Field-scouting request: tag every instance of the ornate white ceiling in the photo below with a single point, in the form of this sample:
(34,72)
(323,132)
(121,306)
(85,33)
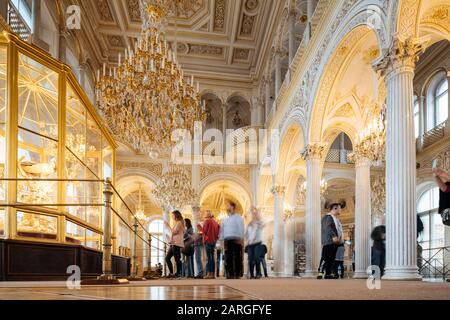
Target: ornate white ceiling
(218,39)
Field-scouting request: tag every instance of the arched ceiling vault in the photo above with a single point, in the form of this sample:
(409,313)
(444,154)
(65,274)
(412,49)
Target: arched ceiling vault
(349,86)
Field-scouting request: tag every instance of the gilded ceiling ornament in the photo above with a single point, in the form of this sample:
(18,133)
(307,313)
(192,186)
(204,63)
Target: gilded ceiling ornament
(219,15)
(247,24)
(402,53)
(251,4)
(346,111)
(205,50)
(104,10)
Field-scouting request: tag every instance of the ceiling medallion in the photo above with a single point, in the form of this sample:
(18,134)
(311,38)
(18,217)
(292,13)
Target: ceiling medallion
(147,97)
(251,4)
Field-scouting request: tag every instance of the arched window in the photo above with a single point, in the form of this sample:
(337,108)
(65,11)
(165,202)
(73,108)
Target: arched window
(441,102)
(156,229)
(433,235)
(416,118)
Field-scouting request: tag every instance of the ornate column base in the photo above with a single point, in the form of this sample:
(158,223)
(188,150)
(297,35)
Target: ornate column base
(402,273)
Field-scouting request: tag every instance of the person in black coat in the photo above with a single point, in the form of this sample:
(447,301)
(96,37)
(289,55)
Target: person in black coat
(379,247)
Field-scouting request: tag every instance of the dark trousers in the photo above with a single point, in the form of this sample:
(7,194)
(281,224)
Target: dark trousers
(233,258)
(174,252)
(264,265)
(210,263)
(328,256)
(339,265)
(254,256)
(188,266)
(219,262)
(379,259)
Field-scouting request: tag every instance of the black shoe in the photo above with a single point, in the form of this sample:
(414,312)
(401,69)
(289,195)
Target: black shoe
(200,276)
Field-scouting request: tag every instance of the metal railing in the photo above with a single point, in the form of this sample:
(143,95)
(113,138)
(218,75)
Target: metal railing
(437,265)
(433,136)
(108,191)
(17,23)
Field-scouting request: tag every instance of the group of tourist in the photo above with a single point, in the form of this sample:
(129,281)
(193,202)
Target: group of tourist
(226,242)
(333,248)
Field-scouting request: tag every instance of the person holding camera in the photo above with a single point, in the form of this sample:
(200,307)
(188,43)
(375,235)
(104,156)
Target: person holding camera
(442,179)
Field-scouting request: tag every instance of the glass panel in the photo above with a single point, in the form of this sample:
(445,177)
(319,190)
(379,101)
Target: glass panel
(38,131)
(75,153)
(75,125)
(92,239)
(94,147)
(36,225)
(441,107)
(93,196)
(37,159)
(2,222)
(74,233)
(38,97)
(2,122)
(107,153)
(416,119)
(75,190)
(429,200)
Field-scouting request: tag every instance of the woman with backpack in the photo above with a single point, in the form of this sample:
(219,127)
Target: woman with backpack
(188,250)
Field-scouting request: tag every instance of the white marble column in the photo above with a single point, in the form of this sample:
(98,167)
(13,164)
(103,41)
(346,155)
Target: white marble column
(401,233)
(362,217)
(313,154)
(278,229)
(289,255)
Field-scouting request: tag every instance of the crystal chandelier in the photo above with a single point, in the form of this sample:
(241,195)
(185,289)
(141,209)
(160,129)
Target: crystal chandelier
(372,140)
(140,213)
(174,189)
(147,97)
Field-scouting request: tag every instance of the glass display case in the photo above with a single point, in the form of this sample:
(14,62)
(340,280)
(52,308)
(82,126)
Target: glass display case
(51,141)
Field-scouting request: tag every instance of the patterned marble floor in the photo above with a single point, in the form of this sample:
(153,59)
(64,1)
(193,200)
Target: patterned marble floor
(174,292)
(221,289)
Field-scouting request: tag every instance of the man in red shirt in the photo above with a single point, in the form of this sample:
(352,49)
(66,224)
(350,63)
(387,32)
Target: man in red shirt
(210,236)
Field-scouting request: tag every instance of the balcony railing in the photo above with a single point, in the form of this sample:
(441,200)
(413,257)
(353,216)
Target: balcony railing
(433,136)
(437,265)
(338,156)
(17,23)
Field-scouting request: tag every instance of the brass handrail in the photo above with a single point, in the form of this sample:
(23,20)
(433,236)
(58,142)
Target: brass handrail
(82,205)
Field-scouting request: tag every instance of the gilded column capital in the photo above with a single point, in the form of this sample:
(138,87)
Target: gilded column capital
(360,155)
(278,190)
(314,151)
(403,53)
